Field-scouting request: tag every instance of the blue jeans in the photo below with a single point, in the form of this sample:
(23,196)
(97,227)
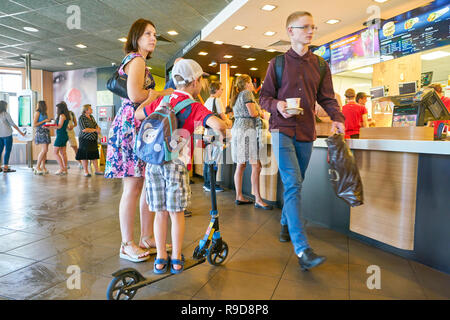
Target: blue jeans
(6,142)
(293,159)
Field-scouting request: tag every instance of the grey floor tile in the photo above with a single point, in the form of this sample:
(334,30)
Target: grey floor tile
(18,239)
(9,263)
(30,281)
(292,290)
(228,285)
(435,283)
(393,283)
(4,231)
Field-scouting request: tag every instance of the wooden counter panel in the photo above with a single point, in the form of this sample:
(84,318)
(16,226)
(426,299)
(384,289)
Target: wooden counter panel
(404,133)
(390,184)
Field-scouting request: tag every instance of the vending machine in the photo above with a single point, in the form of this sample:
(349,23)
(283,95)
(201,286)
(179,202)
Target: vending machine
(104,115)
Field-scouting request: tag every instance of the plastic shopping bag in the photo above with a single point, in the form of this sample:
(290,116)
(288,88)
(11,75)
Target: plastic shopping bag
(344,173)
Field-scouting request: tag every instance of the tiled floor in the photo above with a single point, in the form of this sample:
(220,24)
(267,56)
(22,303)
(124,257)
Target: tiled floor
(48,223)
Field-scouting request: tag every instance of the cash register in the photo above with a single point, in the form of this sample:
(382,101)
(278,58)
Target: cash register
(417,109)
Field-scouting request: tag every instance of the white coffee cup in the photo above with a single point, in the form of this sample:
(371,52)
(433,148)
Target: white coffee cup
(293,102)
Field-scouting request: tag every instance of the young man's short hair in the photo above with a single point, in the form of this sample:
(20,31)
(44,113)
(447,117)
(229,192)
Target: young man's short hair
(436,86)
(214,87)
(360,95)
(295,15)
(349,93)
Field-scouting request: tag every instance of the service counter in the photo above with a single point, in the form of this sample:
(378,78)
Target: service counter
(405,209)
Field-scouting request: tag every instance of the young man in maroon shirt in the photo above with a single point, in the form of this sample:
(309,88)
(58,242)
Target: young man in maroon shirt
(293,135)
(355,115)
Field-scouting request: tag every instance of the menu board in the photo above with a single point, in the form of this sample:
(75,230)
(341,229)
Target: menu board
(354,51)
(420,29)
(324,52)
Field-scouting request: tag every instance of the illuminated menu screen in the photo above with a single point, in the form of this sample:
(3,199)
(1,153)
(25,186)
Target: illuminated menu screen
(417,30)
(357,50)
(324,52)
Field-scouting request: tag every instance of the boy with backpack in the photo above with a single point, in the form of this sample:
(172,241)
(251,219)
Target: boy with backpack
(297,74)
(164,143)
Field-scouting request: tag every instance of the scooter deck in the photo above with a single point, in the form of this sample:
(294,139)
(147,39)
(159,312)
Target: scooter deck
(152,277)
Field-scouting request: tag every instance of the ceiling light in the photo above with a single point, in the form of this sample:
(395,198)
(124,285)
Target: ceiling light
(269,33)
(218,72)
(81,46)
(333,21)
(364,70)
(228,56)
(240,28)
(253,69)
(69,63)
(61,49)
(271,50)
(268,7)
(251,59)
(434,55)
(246,46)
(233,67)
(172,32)
(123,39)
(238,74)
(380,1)
(218,42)
(202,53)
(30,29)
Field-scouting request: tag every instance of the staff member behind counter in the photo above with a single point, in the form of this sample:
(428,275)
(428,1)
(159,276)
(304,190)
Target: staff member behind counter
(438,88)
(355,115)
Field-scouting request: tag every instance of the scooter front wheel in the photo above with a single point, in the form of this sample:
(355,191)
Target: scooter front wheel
(217,256)
(116,287)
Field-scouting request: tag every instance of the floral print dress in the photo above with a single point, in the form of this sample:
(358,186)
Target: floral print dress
(121,161)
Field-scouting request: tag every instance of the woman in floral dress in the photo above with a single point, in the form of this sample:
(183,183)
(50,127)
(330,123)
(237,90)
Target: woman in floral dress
(121,161)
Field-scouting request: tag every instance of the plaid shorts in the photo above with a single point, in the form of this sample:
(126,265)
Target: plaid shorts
(167,186)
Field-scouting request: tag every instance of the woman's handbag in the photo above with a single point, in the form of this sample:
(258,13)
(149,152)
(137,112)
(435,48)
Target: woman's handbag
(117,84)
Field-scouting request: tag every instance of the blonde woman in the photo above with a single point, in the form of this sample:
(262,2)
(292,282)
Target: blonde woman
(244,145)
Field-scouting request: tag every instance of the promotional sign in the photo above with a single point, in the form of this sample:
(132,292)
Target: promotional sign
(324,52)
(417,30)
(354,51)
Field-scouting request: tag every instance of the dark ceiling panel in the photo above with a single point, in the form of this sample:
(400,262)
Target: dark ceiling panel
(35,4)
(8,7)
(19,25)
(217,52)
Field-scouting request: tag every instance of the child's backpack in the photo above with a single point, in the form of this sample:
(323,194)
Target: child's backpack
(156,142)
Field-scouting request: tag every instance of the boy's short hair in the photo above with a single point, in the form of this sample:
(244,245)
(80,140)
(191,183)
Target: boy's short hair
(295,15)
(436,86)
(349,93)
(214,87)
(360,95)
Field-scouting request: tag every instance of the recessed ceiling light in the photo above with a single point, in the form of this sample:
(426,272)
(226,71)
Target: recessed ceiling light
(246,46)
(380,1)
(253,69)
(364,70)
(251,59)
(202,53)
(333,21)
(434,55)
(30,29)
(123,39)
(69,63)
(172,32)
(269,33)
(218,72)
(240,28)
(271,50)
(61,49)
(238,74)
(268,7)
(218,42)
(81,46)
(228,56)
(233,67)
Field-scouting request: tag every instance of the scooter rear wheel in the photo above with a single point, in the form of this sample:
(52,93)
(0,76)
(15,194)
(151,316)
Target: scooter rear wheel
(116,287)
(217,256)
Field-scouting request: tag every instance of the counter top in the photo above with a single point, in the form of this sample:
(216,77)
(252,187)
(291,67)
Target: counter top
(410,146)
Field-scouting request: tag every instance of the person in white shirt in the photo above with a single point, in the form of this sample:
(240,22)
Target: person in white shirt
(214,104)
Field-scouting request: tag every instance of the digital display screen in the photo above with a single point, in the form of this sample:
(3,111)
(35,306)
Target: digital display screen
(407,87)
(404,120)
(377,92)
(324,52)
(420,29)
(354,51)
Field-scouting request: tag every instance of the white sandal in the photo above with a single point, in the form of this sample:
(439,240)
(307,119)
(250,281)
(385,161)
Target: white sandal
(132,257)
(147,246)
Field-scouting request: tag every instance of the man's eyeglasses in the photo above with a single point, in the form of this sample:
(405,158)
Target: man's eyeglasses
(307,27)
